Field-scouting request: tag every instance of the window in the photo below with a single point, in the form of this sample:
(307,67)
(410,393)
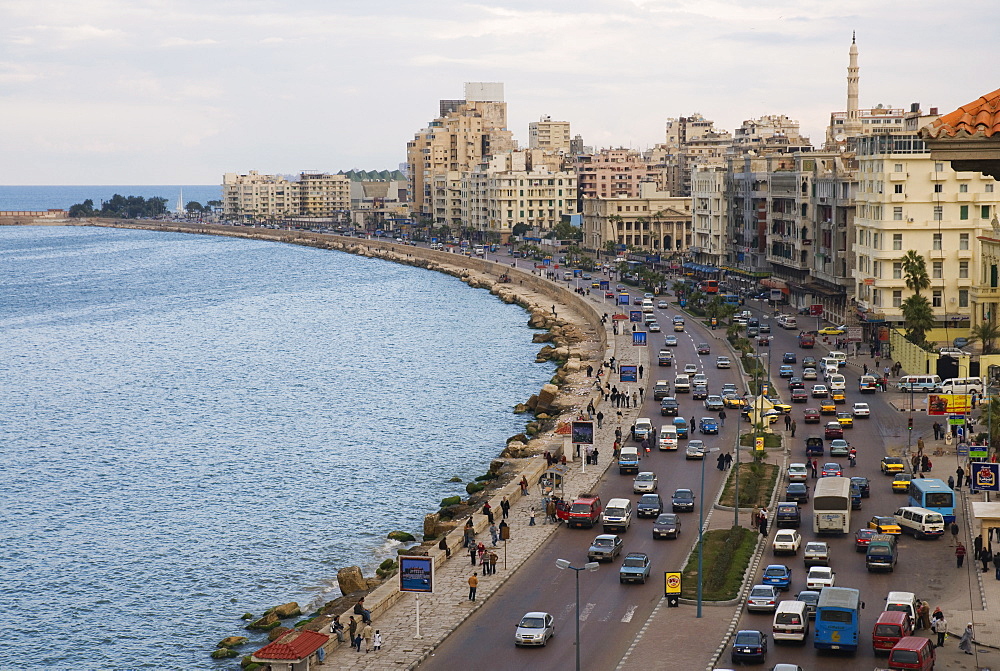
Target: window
(938,188)
(936,298)
(937,270)
(897,299)
(963,298)
(989,188)
(897,270)
(878,269)
(878,241)
(963,188)
(963,240)
(897,241)
(937,241)
(898,167)
(984,211)
(963,211)
(897,213)
(938,212)
(939,167)
(897,188)
(963,269)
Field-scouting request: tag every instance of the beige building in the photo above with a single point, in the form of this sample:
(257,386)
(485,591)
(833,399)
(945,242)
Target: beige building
(324,196)
(256,197)
(709,214)
(653,221)
(612,173)
(549,135)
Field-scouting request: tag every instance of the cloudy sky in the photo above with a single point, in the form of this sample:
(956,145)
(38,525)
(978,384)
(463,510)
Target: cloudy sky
(179,92)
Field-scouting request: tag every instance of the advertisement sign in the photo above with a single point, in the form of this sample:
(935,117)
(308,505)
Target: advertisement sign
(623,299)
(605,285)
(854,334)
(672,588)
(816,310)
(583,432)
(416,574)
(635,316)
(758,443)
(639,339)
(777,295)
(986,476)
(628,373)
(949,404)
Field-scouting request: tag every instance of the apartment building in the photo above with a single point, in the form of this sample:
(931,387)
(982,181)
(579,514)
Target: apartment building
(690,141)
(549,135)
(324,195)
(653,221)
(709,215)
(256,197)
(611,173)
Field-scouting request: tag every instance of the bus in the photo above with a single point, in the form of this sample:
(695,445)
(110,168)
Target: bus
(709,286)
(933,494)
(838,619)
(832,506)
(731,299)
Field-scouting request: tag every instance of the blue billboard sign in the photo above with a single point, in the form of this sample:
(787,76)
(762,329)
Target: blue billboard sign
(986,476)
(639,338)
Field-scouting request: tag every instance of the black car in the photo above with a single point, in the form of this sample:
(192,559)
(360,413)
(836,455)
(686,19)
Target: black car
(667,525)
(700,391)
(682,501)
(797,492)
(863,485)
(649,505)
(810,598)
(789,357)
(669,407)
(796,383)
(749,645)
(765,327)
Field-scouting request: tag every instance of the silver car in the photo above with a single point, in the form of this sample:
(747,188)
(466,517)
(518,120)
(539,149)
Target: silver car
(535,628)
(605,548)
(762,598)
(645,482)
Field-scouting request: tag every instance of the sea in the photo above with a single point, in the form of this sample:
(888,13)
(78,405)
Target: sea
(194,427)
(40,198)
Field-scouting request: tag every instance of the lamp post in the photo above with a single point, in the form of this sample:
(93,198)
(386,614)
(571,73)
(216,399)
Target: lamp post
(563,564)
(701,521)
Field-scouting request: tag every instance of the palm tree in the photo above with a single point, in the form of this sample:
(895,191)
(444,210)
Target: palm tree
(986,333)
(918,318)
(915,272)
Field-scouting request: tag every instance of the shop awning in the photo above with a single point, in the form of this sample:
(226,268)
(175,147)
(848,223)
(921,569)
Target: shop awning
(746,273)
(772,283)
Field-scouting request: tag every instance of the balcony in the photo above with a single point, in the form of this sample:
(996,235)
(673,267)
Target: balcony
(984,293)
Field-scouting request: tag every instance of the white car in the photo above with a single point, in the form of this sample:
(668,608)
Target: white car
(690,368)
(723,362)
(786,541)
(700,378)
(644,482)
(820,577)
(535,628)
(695,450)
(809,374)
(798,473)
(820,391)
(653,327)
(662,305)
(861,410)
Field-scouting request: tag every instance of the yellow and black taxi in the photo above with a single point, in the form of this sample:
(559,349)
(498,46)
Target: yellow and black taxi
(901,482)
(846,419)
(827,407)
(838,396)
(783,408)
(832,330)
(891,465)
(884,524)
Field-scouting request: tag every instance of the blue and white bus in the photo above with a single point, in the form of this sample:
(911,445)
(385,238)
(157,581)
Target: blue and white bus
(933,494)
(838,619)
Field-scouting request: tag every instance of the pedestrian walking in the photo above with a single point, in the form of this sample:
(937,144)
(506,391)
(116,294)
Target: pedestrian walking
(721,461)
(936,429)
(960,553)
(494,534)
(505,507)
(600,419)
(788,422)
(590,371)
(729,459)
(996,564)
(524,486)
(755,517)
(977,544)
(367,633)
(472,554)
(815,469)
(352,630)
(640,371)
(960,472)
(722,417)
(794,426)
(939,627)
(763,525)
(864,368)
(493,563)
(986,556)
(951,482)
(965,645)
(924,614)
(635,400)
(642,395)
(473,584)
(920,446)
(377,641)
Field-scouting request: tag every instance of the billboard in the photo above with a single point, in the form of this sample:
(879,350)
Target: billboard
(624,299)
(416,574)
(816,310)
(635,316)
(639,339)
(854,334)
(583,432)
(628,373)
(986,476)
(949,404)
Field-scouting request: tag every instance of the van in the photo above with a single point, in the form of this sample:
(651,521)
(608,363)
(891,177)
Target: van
(647,305)
(567,275)
(829,362)
(628,460)
(867,384)
(641,428)
(962,385)
(791,621)
(788,515)
(667,439)
(682,383)
(617,515)
(905,602)
(839,356)
(661,390)
(882,553)
(585,511)
(920,383)
(837,382)
(912,652)
(890,628)
(920,522)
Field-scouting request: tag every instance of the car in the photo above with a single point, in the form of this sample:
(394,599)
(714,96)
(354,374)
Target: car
(901,482)
(733,400)
(798,472)
(838,396)
(797,492)
(648,296)
(786,371)
(783,408)
(708,425)
(690,368)
(682,427)
(765,327)
(605,548)
(609,294)
(862,537)
(699,378)
(884,524)
(863,485)
(753,331)
(789,357)
(846,419)
(811,416)
(669,407)
(861,410)
(820,391)
(799,396)
(786,541)
(649,505)
(816,553)
(749,645)
(762,598)
(663,305)
(723,362)
(535,628)
(644,482)
(833,430)
(832,330)
(820,577)
(714,402)
(809,361)
(729,387)
(634,568)
(832,469)
(778,575)
(810,374)
(699,391)
(637,300)
(839,447)
(667,525)
(810,598)
(695,450)
(827,407)
(891,465)
(682,501)
(703,348)
(653,327)
(764,340)
(796,382)
(670,341)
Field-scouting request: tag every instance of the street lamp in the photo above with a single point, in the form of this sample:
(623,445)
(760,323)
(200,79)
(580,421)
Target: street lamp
(701,520)
(563,564)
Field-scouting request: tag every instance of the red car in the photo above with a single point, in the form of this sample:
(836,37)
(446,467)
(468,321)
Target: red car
(800,396)
(811,416)
(861,539)
(833,430)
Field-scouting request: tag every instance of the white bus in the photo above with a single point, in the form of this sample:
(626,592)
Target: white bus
(832,506)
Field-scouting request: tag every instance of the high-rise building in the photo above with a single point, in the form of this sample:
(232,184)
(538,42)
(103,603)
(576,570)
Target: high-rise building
(549,135)
(256,197)
(324,195)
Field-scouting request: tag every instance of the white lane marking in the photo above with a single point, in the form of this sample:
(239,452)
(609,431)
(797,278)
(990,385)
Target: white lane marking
(629,613)
(567,610)
(585,613)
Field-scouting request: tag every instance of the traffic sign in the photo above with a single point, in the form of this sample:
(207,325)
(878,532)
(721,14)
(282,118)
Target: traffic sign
(816,310)
(758,443)
(962,450)
(672,588)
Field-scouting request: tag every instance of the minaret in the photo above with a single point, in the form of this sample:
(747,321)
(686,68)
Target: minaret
(852,126)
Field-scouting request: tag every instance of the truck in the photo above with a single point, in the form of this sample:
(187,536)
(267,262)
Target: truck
(628,460)
(807,340)
(881,554)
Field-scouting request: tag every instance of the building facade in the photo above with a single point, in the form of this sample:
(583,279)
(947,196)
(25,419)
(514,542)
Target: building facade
(256,197)
(549,135)
(652,222)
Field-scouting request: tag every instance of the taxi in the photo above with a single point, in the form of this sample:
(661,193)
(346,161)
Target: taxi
(891,465)
(846,419)
(838,396)
(783,408)
(884,524)
(901,482)
(832,330)
(733,401)
(828,407)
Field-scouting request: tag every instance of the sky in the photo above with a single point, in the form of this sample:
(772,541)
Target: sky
(180,92)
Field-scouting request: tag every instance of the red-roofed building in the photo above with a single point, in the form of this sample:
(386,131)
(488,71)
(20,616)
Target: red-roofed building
(969,137)
(293,651)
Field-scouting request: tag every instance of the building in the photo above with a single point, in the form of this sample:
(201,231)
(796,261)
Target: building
(770,134)
(326,196)
(256,197)
(690,141)
(612,173)
(709,214)
(549,135)
(651,222)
